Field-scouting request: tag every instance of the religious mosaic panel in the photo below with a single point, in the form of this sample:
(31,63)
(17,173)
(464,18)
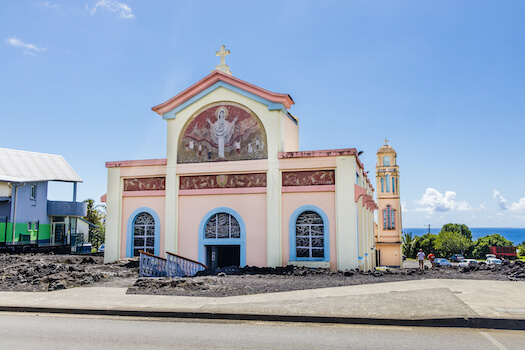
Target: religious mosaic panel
(222,181)
(220,132)
(309,178)
(145,184)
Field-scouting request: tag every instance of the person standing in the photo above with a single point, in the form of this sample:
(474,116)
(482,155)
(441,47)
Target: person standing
(421,259)
(431,258)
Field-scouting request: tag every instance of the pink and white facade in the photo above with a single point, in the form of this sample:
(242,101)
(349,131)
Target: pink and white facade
(235,190)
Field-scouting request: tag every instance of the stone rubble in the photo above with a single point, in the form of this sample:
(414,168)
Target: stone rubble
(47,272)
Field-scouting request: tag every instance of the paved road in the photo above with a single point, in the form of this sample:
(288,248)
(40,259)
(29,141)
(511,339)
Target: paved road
(72,332)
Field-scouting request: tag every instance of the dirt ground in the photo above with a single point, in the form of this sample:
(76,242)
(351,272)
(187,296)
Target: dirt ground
(39,272)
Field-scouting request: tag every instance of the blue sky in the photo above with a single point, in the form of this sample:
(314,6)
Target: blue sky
(444,81)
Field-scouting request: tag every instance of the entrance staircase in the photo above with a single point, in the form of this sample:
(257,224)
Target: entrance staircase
(173,266)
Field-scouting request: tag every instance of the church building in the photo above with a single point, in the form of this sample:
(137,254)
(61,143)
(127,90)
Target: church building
(234,188)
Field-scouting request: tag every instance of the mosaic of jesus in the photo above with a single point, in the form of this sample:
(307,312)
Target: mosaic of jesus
(220,132)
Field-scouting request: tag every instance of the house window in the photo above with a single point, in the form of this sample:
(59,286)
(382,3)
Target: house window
(222,225)
(386,161)
(309,235)
(387,183)
(144,234)
(382,185)
(33,192)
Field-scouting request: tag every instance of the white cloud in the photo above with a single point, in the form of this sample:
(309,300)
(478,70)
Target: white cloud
(404,207)
(30,48)
(434,201)
(121,8)
(518,206)
(482,207)
(502,202)
(50,5)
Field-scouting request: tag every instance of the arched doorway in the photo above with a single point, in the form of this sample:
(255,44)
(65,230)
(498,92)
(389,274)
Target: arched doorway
(222,240)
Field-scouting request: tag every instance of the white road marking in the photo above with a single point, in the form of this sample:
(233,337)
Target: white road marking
(493,341)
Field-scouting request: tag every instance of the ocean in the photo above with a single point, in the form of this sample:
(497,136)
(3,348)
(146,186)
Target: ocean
(515,235)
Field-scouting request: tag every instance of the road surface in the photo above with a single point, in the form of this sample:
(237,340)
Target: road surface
(44,331)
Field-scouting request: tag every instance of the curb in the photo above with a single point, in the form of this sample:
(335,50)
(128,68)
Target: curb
(453,322)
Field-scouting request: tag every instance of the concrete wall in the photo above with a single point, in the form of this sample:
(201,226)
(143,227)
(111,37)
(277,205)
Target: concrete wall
(322,200)
(251,207)
(28,209)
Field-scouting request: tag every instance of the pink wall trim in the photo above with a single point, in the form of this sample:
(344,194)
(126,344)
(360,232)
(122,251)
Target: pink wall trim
(104,198)
(222,191)
(320,153)
(211,79)
(318,188)
(359,191)
(141,162)
(154,193)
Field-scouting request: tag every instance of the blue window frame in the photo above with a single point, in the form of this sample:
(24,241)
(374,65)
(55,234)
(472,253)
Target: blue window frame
(230,235)
(382,185)
(155,231)
(309,234)
(393,184)
(387,183)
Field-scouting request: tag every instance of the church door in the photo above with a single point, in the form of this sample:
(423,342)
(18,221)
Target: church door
(222,231)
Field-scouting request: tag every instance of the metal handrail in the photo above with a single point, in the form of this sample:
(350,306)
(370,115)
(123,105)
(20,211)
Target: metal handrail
(179,266)
(151,265)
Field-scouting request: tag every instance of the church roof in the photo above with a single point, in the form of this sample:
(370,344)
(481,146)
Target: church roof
(24,166)
(215,77)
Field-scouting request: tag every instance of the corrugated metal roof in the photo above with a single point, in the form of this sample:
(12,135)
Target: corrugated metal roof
(24,166)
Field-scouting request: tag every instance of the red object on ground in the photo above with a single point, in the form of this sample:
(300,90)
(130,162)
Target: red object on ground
(504,252)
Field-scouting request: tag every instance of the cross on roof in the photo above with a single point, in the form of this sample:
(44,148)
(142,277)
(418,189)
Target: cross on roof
(386,141)
(223,67)
(222,52)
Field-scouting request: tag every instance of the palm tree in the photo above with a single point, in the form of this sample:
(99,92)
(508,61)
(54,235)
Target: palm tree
(409,244)
(96,214)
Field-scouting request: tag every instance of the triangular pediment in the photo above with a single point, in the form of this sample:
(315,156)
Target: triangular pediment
(215,80)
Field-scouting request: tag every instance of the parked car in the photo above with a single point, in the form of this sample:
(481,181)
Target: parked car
(102,247)
(441,262)
(493,261)
(468,263)
(490,256)
(457,257)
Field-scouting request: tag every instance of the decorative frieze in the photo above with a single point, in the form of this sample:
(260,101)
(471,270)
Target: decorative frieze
(309,178)
(203,182)
(145,184)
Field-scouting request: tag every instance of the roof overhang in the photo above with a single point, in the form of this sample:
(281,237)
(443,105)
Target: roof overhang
(218,79)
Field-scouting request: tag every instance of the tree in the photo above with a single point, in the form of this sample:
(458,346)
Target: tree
(409,245)
(461,228)
(452,242)
(96,214)
(427,242)
(481,246)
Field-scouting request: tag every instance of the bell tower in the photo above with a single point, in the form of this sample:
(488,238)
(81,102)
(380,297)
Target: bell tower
(388,237)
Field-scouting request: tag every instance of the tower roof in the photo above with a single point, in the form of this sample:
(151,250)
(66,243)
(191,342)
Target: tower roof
(386,149)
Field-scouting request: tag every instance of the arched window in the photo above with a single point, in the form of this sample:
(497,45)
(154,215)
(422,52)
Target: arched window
(382,185)
(389,218)
(144,234)
(387,183)
(222,225)
(386,161)
(309,235)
